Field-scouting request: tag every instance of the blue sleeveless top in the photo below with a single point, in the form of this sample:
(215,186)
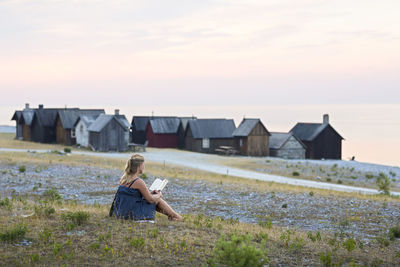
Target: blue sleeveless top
(130,204)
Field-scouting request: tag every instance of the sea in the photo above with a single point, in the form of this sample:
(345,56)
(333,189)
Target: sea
(371,132)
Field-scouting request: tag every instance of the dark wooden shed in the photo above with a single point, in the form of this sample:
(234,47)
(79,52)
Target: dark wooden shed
(252,138)
(65,122)
(321,139)
(206,135)
(43,128)
(23,123)
(109,133)
(286,145)
(163,132)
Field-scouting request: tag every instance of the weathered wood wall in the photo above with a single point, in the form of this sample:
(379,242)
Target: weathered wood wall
(111,138)
(292,149)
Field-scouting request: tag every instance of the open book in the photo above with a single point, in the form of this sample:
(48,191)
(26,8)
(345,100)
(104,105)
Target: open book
(158,184)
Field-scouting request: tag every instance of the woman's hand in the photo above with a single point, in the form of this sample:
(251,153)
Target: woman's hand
(156,194)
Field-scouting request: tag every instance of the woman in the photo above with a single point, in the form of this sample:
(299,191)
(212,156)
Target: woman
(134,201)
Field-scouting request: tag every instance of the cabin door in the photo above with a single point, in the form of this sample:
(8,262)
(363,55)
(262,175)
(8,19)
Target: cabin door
(113,139)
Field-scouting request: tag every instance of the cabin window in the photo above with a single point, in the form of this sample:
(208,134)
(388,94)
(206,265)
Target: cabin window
(73,133)
(206,143)
(240,142)
(81,129)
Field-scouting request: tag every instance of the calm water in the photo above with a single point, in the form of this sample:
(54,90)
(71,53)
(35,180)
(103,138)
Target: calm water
(371,132)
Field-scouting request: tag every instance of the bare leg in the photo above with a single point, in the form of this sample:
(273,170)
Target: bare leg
(163,207)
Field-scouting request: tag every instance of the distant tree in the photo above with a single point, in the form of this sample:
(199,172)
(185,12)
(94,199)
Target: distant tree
(383,183)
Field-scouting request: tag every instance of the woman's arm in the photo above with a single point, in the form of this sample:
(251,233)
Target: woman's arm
(141,186)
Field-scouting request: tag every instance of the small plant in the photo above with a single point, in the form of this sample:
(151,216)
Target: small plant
(313,238)
(77,217)
(383,184)
(284,206)
(55,152)
(57,248)
(394,232)
(67,150)
(6,203)
(52,195)
(22,168)
(311,193)
(383,241)
(295,173)
(137,243)
(326,259)
(328,179)
(49,211)
(349,244)
(392,174)
(237,251)
(15,233)
(153,233)
(369,176)
(45,235)
(340,181)
(265,222)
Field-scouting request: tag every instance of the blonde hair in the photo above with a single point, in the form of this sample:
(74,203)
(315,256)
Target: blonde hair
(131,168)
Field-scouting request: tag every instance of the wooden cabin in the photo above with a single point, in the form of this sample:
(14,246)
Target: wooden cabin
(23,123)
(65,121)
(321,139)
(207,135)
(139,128)
(252,138)
(163,132)
(82,129)
(109,133)
(286,145)
(43,128)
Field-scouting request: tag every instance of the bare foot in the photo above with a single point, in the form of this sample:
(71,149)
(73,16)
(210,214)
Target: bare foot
(175,218)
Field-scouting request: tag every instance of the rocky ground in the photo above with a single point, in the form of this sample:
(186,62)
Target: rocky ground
(366,219)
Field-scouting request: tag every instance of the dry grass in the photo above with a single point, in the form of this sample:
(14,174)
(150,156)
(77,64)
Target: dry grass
(104,241)
(7,141)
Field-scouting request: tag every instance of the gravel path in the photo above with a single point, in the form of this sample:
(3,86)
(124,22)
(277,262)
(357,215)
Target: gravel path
(207,162)
(365,219)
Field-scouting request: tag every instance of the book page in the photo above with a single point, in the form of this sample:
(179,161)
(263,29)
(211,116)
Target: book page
(156,185)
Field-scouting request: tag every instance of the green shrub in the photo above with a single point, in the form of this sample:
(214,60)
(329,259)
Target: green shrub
(394,232)
(369,176)
(77,217)
(15,233)
(46,211)
(22,168)
(383,184)
(137,243)
(67,150)
(349,244)
(328,179)
(295,173)
(311,193)
(284,206)
(340,181)
(52,195)
(34,258)
(313,238)
(265,222)
(326,259)
(45,235)
(6,203)
(237,251)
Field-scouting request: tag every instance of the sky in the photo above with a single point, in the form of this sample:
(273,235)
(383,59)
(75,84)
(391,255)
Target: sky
(183,52)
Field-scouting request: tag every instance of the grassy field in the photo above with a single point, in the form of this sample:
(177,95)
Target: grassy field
(44,230)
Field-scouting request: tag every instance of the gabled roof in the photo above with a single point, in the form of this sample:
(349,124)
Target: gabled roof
(140,122)
(69,117)
(309,131)
(165,125)
(103,119)
(212,128)
(86,119)
(46,117)
(28,115)
(278,140)
(17,115)
(246,126)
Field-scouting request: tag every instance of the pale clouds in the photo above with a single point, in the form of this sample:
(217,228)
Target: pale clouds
(263,47)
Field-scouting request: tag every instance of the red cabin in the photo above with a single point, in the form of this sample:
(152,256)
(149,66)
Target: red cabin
(163,132)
